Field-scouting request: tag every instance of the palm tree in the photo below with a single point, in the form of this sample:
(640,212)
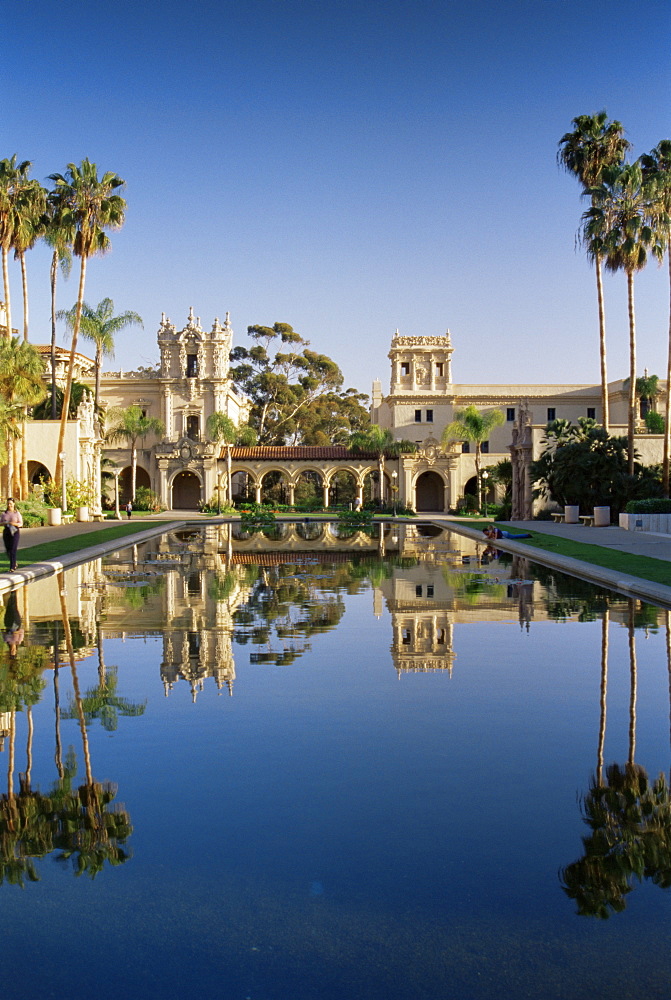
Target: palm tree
(59,235)
(619,215)
(30,223)
(220,427)
(475,427)
(100,325)
(89,205)
(656,167)
(13,178)
(21,381)
(377,441)
(594,144)
(131,425)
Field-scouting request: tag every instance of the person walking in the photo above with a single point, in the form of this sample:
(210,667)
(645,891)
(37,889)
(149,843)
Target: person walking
(12,521)
(129,509)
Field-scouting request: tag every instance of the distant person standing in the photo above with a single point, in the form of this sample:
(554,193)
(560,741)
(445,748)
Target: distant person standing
(129,509)
(12,521)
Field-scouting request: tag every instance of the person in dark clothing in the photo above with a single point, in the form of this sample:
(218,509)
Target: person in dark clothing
(12,521)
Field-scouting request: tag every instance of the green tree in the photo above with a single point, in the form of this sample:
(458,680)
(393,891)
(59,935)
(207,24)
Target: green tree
(377,441)
(220,427)
(333,418)
(100,326)
(594,144)
(88,205)
(281,385)
(584,465)
(132,425)
(619,217)
(474,426)
(656,167)
(21,384)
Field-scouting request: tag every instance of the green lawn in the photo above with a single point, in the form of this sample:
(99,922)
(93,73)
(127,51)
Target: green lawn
(75,543)
(655,570)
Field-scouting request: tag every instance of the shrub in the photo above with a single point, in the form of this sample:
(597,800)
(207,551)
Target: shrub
(654,422)
(33,512)
(146,499)
(77,494)
(653,505)
(210,507)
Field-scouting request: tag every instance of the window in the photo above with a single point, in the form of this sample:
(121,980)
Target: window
(418,590)
(440,369)
(552,413)
(465,448)
(405,367)
(440,637)
(193,427)
(429,416)
(484,447)
(510,413)
(429,590)
(192,366)
(591,412)
(418,416)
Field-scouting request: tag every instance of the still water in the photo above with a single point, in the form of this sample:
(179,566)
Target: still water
(333,767)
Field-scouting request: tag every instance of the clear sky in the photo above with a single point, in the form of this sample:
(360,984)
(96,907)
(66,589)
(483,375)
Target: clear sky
(346,166)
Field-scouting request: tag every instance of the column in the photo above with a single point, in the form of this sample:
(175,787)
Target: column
(325,494)
(257,492)
(291,487)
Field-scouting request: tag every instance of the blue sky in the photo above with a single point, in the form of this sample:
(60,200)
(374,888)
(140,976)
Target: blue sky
(347,167)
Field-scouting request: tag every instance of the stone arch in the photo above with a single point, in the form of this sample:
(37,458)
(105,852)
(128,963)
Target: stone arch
(38,473)
(343,486)
(275,486)
(308,485)
(429,491)
(310,531)
(186,490)
(125,479)
(371,486)
(243,485)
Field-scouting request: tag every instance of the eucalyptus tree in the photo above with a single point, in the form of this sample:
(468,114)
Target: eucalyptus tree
(474,426)
(100,326)
(132,425)
(656,167)
(89,205)
(619,216)
(220,427)
(593,145)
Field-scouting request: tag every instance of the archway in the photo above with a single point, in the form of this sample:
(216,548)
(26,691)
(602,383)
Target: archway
(38,473)
(242,487)
(308,488)
(274,488)
(429,492)
(342,488)
(185,491)
(141,479)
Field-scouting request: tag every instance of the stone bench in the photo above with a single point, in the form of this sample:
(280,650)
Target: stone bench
(587,520)
(67,518)
(558,517)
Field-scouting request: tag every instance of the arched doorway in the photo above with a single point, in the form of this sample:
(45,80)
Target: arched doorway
(185,491)
(274,488)
(141,479)
(38,473)
(429,492)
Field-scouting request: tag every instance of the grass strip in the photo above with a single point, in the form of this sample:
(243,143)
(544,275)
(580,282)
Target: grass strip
(75,543)
(645,567)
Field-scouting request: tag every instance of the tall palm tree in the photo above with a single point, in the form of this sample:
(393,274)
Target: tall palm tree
(594,144)
(619,214)
(90,205)
(30,223)
(100,325)
(220,427)
(59,235)
(377,440)
(131,425)
(475,427)
(656,167)
(13,178)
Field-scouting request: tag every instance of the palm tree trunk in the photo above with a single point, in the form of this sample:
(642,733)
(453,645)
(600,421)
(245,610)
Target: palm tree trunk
(633,685)
(11,755)
(133,471)
(24,456)
(477,476)
(71,366)
(24,289)
(602,345)
(75,683)
(8,303)
(604,685)
(667,412)
(53,274)
(229,477)
(632,371)
(99,362)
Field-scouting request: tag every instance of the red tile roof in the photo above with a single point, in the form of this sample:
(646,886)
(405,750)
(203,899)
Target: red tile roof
(296,453)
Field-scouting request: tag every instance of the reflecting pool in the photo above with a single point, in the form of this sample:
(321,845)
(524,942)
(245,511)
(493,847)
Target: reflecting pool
(327,764)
